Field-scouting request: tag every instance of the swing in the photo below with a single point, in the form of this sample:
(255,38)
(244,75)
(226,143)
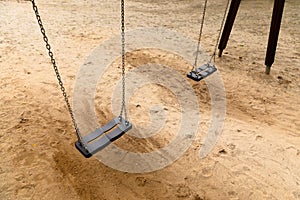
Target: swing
(105,135)
(199,73)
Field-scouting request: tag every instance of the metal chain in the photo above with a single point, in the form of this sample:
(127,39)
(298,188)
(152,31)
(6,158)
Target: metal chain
(50,53)
(123,106)
(213,57)
(200,34)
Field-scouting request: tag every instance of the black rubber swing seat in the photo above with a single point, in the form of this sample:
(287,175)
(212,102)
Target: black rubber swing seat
(94,142)
(201,72)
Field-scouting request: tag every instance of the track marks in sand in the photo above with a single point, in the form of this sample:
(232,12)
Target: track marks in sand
(91,179)
(261,161)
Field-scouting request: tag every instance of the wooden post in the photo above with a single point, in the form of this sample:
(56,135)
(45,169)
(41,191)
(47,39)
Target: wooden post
(274,32)
(234,6)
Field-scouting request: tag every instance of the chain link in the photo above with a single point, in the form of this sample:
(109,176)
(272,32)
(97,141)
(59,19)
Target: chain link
(50,53)
(123,106)
(200,34)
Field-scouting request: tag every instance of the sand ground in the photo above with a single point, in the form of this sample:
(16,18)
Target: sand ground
(256,157)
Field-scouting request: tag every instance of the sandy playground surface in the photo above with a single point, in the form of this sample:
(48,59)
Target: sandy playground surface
(257,155)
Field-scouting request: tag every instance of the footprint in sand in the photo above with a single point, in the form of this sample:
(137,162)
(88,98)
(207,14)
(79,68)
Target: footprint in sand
(207,172)
(19,177)
(183,191)
(231,146)
(141,181)
(259,138)
(26,190)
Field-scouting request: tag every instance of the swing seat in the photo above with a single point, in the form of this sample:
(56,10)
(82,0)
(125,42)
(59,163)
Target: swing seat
(94,142)
(201,72)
